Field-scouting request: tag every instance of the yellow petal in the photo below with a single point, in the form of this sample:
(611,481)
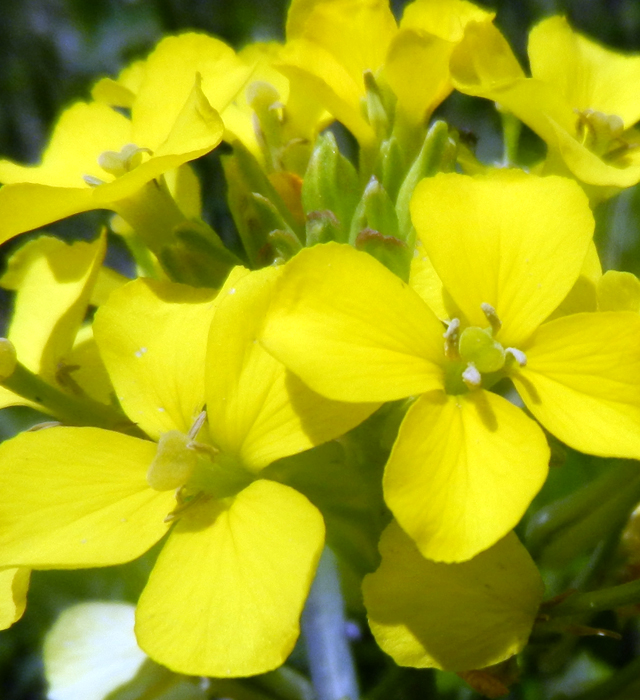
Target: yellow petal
(590,76)
(82,133)
(582,381)
(483,61)
(77,497)
(618,291)
(91,650)
(14,584)
(356,32)
(24,207)
(454,617)
(313,69)
(462,472)
(170,73)
(424,279)
(446,19)
(196,130)
(352,330)
(583,296)
(120,92)
(417,63)
(589,167)
(417,70)
(53,280)
(153,340)
(85,367)
(330,43)
(225,596)
(258,410)
(508,239)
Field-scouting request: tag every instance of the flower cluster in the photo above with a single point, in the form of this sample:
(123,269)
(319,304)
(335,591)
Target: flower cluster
(383,367)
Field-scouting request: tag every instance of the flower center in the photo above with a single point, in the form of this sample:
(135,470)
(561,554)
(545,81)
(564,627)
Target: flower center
(604,134)
(475,352)
(194,469)
(118,163)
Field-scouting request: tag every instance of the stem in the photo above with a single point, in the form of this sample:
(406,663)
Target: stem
(604,599)
(65,407)
(324,631)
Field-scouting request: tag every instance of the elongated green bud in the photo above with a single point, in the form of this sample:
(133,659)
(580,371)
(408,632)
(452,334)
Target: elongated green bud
(437,154)
(331,184)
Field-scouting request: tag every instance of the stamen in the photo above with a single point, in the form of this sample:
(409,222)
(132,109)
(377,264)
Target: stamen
(198,423)
(451,336)
(518,356)
(471,377)
(92,181)
(492,316)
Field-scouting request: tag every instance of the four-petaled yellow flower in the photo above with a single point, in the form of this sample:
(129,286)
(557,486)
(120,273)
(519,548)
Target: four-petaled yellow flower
(467,462)
(226,592)
(582,98)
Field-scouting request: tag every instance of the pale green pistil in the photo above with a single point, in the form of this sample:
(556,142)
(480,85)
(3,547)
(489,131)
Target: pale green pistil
(194,469)
(474,352)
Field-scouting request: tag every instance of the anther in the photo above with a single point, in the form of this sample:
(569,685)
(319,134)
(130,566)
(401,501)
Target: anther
(197,424)
(451,336)
(92,181)
(471,377)
(492,316)
(517,355)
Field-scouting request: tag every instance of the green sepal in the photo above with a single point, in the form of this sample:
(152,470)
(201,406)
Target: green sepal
(322,226)
(391,166)
(263,98)
(246,179)
(375,211)
(196,257)
(331,184)
(284,244)
(374,230)
(378,106)
(436,155)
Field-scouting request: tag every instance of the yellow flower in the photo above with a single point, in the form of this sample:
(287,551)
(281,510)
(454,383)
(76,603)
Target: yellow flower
(508,248)
(226,592)
(454,617)
(581,99)
(100,159)
(55,282)
(332,44)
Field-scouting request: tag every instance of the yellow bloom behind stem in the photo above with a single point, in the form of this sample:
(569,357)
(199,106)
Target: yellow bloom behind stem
(454,617)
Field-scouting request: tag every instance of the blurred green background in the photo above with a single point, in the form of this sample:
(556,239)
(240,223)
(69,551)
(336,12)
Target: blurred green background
(51,51)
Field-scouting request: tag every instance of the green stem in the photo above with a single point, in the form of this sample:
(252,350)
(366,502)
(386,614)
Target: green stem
(64,407)
(604,599)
